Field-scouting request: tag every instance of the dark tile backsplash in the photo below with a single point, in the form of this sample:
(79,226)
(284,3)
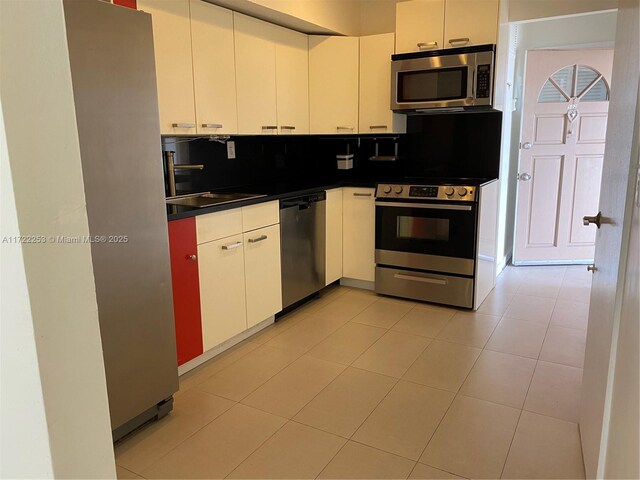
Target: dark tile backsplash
(263,161)
(445,145)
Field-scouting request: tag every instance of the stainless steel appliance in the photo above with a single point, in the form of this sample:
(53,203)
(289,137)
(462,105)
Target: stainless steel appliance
(114,87)
(426,239)
(450,79)
(302,244)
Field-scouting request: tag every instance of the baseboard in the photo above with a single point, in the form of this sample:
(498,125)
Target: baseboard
(355,283)
(209,354)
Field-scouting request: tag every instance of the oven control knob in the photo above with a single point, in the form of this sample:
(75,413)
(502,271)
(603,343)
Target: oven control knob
(387,189)
(398,190)
(449,191)
(462,191)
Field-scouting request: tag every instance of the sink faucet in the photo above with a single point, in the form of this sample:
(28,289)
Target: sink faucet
(171,170)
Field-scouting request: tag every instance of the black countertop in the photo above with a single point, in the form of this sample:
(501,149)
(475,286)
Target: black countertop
(275,191)
(280,190)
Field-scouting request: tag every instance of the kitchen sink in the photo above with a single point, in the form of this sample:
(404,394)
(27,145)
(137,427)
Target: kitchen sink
(202,200)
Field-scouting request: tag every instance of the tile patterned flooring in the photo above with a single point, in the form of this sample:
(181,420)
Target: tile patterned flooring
(355,385)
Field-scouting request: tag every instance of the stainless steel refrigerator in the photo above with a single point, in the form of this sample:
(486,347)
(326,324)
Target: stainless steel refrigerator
(114,87)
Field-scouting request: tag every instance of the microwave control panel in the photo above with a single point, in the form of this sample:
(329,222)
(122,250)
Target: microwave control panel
(483,81)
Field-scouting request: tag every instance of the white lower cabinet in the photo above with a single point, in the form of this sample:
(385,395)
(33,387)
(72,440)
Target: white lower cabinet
(333,239)
(239,274)
(358,224)
(222,290)
(262,273)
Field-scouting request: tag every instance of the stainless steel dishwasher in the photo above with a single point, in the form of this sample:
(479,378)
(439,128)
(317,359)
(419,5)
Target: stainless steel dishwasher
(302,244)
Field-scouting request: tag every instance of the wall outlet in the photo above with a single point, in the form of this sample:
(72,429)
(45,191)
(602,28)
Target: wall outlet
(231,150)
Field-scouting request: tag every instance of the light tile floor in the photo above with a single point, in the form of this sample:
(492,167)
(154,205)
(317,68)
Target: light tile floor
(354,385)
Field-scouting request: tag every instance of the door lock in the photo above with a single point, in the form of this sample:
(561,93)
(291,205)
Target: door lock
(596,220)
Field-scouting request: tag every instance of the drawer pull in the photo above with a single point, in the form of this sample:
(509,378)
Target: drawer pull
(211,125)
(461,41)
(436,281)
(231,246)
(287,127)
(344,127)
(258,239)
(356,194)
(427,45)
(373,127)
(183,125)
(269,127)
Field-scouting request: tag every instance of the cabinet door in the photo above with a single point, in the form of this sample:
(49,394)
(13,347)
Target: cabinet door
(358,223)
(222,293)
(214,75)
(333,267)
(262,271)
(174,71)
(186,290)
(292,81)
(475,20)
(419,25)
(333,84)
(375,86)
(255,75)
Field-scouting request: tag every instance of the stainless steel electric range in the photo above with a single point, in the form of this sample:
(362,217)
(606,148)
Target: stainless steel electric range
(427,241)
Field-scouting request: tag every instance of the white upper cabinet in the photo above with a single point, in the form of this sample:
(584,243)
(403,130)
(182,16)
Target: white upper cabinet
(436,24)
(375,86)
(333,84)
(255,75)
(471,22)
(214,74)
(174,72)
(292,81)
(419,25)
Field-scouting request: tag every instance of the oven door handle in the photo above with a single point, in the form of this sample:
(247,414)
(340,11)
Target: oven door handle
(466,208)
(437,281)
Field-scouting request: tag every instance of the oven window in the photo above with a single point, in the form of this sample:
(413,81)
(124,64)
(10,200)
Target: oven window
(432,85)
(421,228)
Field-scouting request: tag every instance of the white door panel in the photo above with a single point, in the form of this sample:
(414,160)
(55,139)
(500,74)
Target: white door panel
(564,121)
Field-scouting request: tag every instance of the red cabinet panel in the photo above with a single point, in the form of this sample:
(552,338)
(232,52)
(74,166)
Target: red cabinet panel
(183,250)
(126,3)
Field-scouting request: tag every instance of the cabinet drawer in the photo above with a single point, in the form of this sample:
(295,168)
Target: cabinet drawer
(260,215)
(214,226)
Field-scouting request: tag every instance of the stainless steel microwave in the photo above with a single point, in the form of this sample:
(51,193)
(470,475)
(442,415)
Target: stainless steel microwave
(450,79)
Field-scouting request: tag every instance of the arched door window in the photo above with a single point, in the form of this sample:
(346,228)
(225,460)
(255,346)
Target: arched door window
(574,84)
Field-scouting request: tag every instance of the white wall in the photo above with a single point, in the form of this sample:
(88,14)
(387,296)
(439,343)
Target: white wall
(24,440)
(596,30)
(521,10)
(59,316)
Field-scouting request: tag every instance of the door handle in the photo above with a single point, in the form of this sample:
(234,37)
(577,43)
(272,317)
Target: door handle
(258,239)
(526,146)
(436,281)
(595,219)
(193,258)
(524,177)
(462,41)
(231,246)
(592,268)
(427,45)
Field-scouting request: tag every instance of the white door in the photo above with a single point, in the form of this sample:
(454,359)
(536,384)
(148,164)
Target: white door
(599,407)
(564,119)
